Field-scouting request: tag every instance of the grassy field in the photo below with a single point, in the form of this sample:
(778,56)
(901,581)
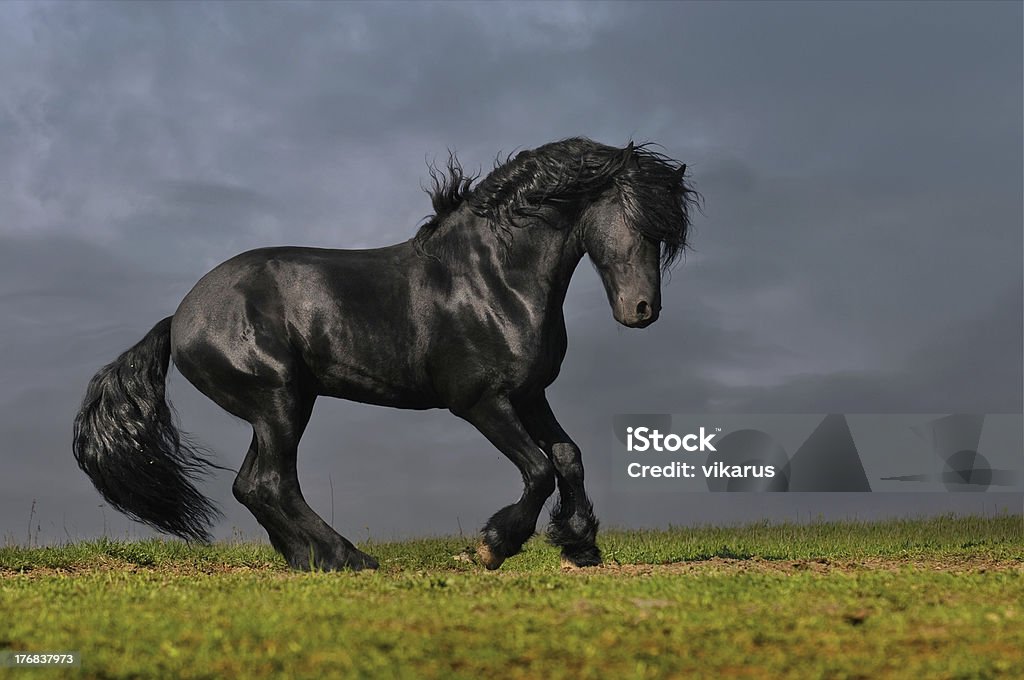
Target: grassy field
(941,597)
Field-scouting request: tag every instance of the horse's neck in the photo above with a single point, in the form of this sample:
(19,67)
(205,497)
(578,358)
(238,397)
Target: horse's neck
(537,261)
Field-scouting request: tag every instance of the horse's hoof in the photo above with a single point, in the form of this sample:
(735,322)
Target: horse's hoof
(362,562)
(357,561)
(589,558)
(488,557)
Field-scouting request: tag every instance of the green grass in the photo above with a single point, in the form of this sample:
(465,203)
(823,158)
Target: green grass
(941,597)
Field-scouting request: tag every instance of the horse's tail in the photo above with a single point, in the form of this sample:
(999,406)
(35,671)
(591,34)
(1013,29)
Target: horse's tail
(126,441)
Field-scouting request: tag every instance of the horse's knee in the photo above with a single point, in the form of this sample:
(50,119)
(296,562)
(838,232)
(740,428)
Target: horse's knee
(541,478)
(567,460)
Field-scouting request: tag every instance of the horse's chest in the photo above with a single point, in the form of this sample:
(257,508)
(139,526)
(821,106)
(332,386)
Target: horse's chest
(536,355)
(497,347)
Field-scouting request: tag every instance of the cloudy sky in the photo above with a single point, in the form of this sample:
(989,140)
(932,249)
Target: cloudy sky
(860,252)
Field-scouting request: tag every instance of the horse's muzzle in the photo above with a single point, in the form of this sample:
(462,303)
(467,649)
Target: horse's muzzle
(642,315)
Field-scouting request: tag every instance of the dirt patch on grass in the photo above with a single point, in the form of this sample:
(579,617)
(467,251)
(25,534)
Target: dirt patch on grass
(114,565)
(711,566)
(722,565)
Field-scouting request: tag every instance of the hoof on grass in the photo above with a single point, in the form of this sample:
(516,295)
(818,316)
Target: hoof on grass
(589,558)
(358,561)
(362,562)
(487,557)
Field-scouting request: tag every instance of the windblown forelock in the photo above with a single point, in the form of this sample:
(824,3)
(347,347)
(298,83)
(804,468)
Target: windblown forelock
(657,200)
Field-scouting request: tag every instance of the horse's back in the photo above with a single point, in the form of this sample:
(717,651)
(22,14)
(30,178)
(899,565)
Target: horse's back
(338,320)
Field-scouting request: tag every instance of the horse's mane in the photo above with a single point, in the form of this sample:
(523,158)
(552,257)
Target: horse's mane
(655,196)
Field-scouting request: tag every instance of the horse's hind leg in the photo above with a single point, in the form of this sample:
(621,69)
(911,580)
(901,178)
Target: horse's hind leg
(510,527)
(268,484)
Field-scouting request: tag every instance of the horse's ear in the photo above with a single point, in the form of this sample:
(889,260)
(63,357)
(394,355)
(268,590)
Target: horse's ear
(627,156)
(681,171)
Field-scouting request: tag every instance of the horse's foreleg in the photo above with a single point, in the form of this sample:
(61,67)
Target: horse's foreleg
(268,485)
(508,529)
(573,526)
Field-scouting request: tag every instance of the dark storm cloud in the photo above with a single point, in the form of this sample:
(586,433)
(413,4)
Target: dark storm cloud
(861,248)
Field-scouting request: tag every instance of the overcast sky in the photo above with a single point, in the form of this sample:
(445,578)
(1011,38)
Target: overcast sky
(860,252)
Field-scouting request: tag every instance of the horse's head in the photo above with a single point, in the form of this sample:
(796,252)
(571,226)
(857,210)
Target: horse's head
(635,229)
(628,262)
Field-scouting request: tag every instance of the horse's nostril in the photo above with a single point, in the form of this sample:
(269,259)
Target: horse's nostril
(643,310)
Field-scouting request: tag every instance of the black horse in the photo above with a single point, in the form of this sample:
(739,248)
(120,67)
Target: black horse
(467,315)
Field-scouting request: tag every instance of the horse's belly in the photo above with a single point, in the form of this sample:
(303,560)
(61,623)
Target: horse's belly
(361,386)
(366,364)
